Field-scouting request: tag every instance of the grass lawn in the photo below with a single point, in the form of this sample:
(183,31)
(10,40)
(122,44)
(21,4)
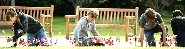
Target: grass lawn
(60,26)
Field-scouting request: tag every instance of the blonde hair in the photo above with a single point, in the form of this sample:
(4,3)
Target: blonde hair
(94,13)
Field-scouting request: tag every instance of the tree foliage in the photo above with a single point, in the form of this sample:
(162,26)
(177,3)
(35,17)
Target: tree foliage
(126,3)
(39,2)
(158,5)
(86,3)
(5,2)
(179,4)
(63,7)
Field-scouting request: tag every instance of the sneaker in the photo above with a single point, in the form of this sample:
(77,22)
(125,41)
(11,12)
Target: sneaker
(99,44)
(153,43)
(14,45)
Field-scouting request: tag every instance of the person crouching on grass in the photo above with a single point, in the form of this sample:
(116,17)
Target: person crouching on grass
(178,27)
(27,24)
(151,22)
(85,24)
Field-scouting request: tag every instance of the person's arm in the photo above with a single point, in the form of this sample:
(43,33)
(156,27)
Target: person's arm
(141,35)
(24,22)
(93,29)
(81,23)
(164,32)
(161,22)
(94,32)
(142,24)
(16,27)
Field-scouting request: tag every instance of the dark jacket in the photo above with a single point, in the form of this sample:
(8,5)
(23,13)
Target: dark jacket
(28,25)
(178,25)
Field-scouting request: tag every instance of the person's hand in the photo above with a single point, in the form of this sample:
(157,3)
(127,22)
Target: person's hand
(9,39)
(76,44)
(98,39)
(165,44)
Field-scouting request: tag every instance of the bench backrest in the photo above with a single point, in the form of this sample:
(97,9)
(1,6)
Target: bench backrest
(109,15)
(33,11)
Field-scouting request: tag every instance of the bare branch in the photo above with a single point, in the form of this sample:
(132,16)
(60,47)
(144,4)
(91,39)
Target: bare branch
(7,2)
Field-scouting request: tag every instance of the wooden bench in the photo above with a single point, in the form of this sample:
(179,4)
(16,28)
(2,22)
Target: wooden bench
(108,17)
(44,14)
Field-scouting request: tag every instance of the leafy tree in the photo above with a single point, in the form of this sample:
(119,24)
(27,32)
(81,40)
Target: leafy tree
(86,3)
(12,2)
(4,2)
(126,3)
(179,4)
(39,2)
(158,5)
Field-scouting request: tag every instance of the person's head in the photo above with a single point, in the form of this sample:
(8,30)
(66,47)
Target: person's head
(150,14)
(11,14)
(177,13)
(92,14)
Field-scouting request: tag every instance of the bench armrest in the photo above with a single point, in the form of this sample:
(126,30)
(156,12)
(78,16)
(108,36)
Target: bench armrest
(130,17)
(70,16)
(42,18)
(6,23)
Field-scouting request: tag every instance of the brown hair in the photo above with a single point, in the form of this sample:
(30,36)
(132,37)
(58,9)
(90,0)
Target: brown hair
(93,13)
(177,13)
(10,13)
(150,15)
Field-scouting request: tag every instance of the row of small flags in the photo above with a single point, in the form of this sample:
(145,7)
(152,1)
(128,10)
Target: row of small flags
(134,41)
(171,41)
(137,41)
(42,42)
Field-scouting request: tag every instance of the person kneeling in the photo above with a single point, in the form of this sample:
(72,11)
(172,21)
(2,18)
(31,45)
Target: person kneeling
(85,24)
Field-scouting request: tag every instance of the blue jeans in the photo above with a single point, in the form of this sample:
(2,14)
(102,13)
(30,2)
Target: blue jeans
(180,39)
(149,34)
(39,34)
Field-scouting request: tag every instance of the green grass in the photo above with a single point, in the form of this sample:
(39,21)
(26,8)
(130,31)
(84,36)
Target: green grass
(60,26)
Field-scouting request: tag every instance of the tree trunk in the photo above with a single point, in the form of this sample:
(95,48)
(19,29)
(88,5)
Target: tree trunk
(12,2)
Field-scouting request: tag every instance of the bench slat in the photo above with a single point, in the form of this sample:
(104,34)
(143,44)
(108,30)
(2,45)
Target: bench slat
(118,17)
(108,9)
(114,18)
(107,20)
(121,19)
(33,12)
(101,19)
(111,17)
